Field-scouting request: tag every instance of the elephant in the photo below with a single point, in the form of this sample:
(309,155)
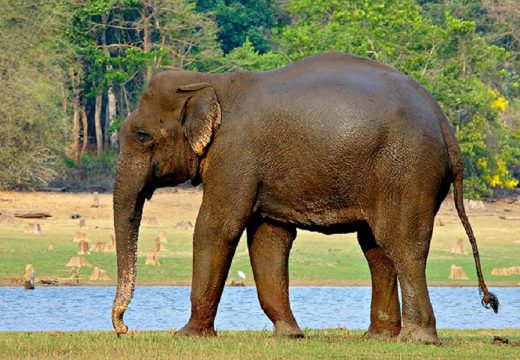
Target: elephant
(333,143)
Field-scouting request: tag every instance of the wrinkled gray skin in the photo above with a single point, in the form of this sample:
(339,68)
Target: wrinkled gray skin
(333,143)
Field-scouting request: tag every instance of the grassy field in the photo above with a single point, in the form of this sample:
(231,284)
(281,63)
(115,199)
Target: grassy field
(318,344)
(315,260)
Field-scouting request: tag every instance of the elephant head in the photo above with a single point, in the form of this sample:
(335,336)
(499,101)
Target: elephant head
(162,143)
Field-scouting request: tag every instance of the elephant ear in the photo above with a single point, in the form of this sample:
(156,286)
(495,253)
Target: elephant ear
(201,115)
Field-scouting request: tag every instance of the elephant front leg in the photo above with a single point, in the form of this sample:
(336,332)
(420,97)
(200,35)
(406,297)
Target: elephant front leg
(385,314)
(269,247)
(219,225)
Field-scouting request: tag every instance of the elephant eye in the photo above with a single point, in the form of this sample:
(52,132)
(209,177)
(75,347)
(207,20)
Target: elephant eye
(142,136)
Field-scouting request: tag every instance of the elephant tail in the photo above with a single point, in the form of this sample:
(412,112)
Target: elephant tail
(489,299)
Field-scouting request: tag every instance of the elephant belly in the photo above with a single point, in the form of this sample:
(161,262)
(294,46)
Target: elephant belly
(326,214)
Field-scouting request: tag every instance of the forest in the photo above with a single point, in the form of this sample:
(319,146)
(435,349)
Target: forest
(72,71)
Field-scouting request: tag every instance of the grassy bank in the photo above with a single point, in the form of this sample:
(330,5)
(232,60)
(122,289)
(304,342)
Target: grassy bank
(318,344)
(315,259)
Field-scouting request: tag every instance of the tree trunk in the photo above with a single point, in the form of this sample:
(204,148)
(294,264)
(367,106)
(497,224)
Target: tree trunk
(146,35)
(111,114)
(74,146)
(111,106)
(97,123)
(84,121)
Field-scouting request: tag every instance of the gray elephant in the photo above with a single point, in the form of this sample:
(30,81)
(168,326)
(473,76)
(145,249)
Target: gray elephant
(333,143)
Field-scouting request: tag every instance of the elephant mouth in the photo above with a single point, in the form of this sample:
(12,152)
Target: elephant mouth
(147,191)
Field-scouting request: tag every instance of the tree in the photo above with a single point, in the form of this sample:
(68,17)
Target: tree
(455,63)
(239,20)
(32,115)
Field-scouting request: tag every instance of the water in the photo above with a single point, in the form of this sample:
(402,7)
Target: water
(161,308)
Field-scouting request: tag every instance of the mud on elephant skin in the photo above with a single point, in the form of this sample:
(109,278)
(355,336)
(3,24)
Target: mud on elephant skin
(333,143)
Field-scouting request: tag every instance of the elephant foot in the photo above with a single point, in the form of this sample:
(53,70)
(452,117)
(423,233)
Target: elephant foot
(282,328)
(382,334)
(191,330)
(383,331)
(421,335)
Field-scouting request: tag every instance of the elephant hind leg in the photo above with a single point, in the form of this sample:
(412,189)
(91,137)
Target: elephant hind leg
(406,243)
(269,247)
(385,314)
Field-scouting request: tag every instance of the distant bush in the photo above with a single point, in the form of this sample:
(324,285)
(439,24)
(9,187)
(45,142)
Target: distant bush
(92,173)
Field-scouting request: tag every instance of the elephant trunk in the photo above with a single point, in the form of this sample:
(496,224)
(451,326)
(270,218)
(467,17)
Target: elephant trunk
(129,196)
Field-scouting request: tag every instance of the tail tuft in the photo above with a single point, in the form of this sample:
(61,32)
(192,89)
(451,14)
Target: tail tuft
(490,301)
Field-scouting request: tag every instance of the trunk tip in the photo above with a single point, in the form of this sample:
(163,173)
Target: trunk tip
(119,325)
(490,301)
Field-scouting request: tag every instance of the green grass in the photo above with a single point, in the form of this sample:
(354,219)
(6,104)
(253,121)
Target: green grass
(316,259)
(318,344)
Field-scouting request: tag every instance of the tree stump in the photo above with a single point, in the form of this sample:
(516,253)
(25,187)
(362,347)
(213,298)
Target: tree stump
(110,247)
(152,259)
(29,277)
(78,262)
(157,245)
(33,228)
(79,237)
(475,205)
(7,219)
(82,223)
(438,222)
(96,203)
(456,273)
(83,248)
(513,270)
(161,238)
(458,247)
(98,247)
(185,225)
(151,220)
(99,274)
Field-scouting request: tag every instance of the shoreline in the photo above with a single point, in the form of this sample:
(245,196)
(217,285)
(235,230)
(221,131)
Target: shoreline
(247,284)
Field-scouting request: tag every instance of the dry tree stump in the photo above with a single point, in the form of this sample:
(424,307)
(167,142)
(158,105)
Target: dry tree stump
(33,228)
(185,225)
(158,246)
(112,245)
(438,222)
(513,270)
(83,248)
(151,220)
(161,238)
(7,219)
(456,273)
(458,247)
(28,283)
(96,203)
(79,237)
(98,247)
(78,262)
(152,258)
(82,223)
(99,274)
(474,204)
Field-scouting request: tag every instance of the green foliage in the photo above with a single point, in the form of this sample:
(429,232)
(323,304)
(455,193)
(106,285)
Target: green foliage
(92,171)
(246,58)
(239,20)
(465,52)
(31,113)
(457,65)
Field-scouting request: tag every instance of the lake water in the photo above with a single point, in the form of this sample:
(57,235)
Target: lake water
(160,308)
